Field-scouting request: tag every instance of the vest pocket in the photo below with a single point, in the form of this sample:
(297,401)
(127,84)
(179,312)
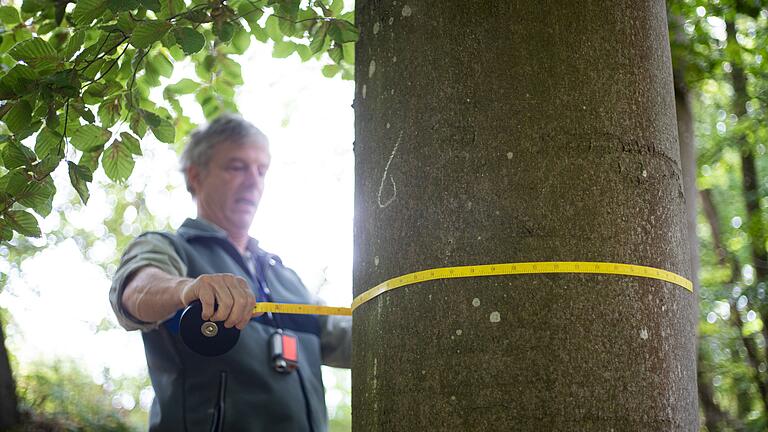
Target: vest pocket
(217,423)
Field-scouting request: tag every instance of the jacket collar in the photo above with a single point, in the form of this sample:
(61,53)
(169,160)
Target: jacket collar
(203,229)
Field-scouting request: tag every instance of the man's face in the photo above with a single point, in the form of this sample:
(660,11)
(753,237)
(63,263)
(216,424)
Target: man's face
(229,189)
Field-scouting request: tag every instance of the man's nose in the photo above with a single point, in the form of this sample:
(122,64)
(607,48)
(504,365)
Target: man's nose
(252,176)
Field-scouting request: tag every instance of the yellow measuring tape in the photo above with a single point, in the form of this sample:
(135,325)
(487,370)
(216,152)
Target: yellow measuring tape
(301,309)
(477,271)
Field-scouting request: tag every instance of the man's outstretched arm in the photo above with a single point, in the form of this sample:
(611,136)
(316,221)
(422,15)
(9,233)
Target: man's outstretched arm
(153,295)
(149,287)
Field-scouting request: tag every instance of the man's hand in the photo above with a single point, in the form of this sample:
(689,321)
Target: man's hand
(231,293)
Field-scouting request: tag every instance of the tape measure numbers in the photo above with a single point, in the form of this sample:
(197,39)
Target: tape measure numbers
(301,309)
(541,267)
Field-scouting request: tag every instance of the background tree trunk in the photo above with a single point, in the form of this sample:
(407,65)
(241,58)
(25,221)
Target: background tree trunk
(9,410)
(522,131)
(714,416)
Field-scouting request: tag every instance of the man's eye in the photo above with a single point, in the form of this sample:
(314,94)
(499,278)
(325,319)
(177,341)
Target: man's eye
(235,167)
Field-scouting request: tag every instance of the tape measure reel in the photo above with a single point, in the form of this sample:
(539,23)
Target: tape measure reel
(207,338)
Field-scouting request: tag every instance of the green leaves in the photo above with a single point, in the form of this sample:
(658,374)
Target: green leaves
(73,70)
(160,64)
(161,128)
(251,13)
(149,32)
(16,155)
(153,5)
(131,143)
(318,38)
(89,137)
(272,26)
(23,222)
(189,39)
(88,10)
(329,71)
(117,159)
(35,52)
(19,116)
(109,111)
(80,177)
(37,195)
(74,44)
(184,86)
(164,132)
(49,143)
(283,49)
(224,30)
(9,15)
(343,31)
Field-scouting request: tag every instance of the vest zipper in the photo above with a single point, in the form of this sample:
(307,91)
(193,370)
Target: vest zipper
(217,424)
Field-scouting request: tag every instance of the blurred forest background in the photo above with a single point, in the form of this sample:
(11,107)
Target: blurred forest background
(720,57)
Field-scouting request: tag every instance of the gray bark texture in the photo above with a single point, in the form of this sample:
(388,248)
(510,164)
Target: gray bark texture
(490,132)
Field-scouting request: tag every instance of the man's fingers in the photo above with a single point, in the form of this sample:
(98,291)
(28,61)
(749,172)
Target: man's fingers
(249,303)
(252,300)
(247,313)
(224,301)
(225,297)
(240,300)
(207,299)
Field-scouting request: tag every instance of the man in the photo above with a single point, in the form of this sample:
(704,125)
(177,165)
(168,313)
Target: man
(213,259)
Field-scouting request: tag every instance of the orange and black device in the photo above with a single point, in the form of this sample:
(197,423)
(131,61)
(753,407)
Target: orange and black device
(284,351)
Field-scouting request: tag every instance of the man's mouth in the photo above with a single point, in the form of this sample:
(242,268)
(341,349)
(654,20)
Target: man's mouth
(246,201)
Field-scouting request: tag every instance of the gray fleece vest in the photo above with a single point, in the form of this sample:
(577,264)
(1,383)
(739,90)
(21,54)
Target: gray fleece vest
(238,391)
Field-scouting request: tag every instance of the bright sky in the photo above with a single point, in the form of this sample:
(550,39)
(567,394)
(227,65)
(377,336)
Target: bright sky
(305,217)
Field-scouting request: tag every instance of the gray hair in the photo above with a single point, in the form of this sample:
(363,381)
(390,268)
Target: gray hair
(229,128)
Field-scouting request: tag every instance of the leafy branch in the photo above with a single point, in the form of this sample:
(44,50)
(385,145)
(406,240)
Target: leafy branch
(71,79)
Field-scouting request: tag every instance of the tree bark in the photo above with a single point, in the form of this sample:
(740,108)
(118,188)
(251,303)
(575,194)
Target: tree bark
(9,410)
(516,132)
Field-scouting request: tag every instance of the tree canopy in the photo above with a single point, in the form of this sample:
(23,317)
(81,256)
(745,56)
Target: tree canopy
(77,81)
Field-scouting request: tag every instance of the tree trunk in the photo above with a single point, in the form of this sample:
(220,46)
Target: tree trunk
(687,140)
(713,414)
(9,410)
(515,132)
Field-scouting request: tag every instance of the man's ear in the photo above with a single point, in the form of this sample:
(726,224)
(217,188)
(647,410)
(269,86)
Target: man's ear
(194,176)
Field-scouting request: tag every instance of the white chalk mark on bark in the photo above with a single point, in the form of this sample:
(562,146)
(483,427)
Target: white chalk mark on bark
(384,178)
